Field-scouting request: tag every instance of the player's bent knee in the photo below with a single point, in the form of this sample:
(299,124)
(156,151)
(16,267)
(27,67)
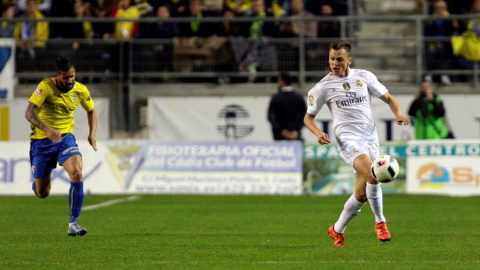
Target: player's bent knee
(77,176)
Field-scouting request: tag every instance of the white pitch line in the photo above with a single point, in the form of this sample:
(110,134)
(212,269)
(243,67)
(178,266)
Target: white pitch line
(109,203)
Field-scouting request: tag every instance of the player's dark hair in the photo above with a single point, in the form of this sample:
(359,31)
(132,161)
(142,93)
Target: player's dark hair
(63,63)
(286,78)
(341,44)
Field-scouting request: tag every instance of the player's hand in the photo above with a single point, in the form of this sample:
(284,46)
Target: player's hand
(93,142)
(323,138)
(402,120)
(53,134)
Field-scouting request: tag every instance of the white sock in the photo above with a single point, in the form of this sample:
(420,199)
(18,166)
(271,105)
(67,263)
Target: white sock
(351,209)
(375,198)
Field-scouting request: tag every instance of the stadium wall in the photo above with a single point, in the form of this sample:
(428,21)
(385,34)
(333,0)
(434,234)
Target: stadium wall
(245,118)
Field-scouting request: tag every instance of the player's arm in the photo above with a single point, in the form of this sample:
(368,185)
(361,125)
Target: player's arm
(309,121)
(92,123)
(31,114)
(396,109)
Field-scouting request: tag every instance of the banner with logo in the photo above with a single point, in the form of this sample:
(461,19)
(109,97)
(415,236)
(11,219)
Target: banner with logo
(7,68)
(217,168)
(244,118)
(444,167)
(209,119)
(16,176)
(326,173)
(134,166)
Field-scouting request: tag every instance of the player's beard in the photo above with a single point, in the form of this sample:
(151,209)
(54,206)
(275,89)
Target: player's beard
(66,87)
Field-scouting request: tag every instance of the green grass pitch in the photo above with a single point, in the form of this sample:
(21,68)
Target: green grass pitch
(238,232)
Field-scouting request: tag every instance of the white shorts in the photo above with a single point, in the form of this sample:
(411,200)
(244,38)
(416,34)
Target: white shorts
(350,150)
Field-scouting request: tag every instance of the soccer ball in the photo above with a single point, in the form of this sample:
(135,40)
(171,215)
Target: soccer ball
(385,169)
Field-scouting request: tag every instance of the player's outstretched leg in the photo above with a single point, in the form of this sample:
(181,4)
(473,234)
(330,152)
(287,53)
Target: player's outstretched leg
(375,199)
(350,210)
(75,201)
(338,238)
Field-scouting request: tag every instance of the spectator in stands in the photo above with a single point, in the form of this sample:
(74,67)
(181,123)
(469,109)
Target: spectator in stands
(85,28)
(158,57)
(328,28)
(143,7)
(214,7)
(7,28)
(466,45)
(44,6)
(439,53)
(25,32)
(196,27)
(429,114)
(178,8)
(102,9)
(286,111)
(277,7)
(125,30)
(199,42)
(259,32)
(162,28)
(293,28)
(240,7)
(231,28)
(339,7)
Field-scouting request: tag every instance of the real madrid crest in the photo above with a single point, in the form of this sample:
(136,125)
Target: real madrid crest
(359,83)
(346,86)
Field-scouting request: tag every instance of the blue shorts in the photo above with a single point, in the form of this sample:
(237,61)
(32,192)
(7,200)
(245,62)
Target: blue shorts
(44,154)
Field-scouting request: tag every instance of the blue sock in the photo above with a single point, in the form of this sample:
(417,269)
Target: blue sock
(34,187)
(75,200)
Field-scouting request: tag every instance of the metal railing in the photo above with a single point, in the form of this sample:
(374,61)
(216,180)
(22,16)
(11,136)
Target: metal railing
(398,57)
(393,47)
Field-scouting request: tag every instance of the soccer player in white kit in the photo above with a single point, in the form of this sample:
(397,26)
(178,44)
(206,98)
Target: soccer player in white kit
(346,92)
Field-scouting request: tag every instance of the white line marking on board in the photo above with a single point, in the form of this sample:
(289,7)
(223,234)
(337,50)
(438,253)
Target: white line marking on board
(109,203)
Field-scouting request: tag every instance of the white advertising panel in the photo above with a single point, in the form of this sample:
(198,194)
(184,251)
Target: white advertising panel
(209,118)
(443,167)
(217,168)
(16,177)
(133,166)
(245,118)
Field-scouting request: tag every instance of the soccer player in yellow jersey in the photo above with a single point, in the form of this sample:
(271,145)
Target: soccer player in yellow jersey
(51,111)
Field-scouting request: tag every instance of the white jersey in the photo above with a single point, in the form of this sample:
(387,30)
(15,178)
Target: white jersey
(348,99)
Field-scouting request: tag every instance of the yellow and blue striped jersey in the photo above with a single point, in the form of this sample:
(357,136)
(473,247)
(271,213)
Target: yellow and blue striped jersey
(56,108)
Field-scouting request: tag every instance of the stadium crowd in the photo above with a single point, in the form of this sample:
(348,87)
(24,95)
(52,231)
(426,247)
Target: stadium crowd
(245,44)
(245,49)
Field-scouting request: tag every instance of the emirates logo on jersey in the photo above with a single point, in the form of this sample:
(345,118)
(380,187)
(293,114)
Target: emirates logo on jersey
(359,83)
(346,86)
